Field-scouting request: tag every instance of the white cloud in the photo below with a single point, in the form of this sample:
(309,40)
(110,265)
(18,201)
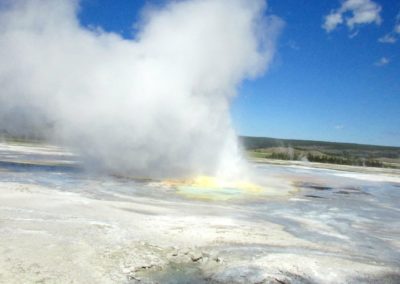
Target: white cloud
(339,127)
(293,45)
(382,61)
(388,38)
(353,34)
(392,36)
(353,13)
(397,27)
(332,20)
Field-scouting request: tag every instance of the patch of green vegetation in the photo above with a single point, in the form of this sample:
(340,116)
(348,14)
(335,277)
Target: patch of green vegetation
(21,140)
(322,152)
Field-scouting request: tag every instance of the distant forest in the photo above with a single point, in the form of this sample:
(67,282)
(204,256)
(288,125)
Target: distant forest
(322,152)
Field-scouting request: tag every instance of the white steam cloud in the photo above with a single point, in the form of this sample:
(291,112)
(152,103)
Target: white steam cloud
(157,105)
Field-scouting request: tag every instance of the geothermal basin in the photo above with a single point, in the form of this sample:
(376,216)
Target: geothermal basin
(306,223)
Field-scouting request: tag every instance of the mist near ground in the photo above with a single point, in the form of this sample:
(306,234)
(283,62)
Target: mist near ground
(154,106)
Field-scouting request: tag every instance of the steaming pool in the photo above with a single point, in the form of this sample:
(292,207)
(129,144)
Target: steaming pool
(308,223)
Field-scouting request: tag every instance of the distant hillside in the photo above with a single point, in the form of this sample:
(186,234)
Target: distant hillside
(324,152)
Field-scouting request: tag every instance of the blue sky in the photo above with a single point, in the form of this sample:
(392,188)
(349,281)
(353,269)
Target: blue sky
(340,83)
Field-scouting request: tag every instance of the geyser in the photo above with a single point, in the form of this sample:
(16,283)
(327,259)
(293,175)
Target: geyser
(156,105)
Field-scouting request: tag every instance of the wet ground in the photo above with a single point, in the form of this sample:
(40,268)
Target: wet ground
(61,224)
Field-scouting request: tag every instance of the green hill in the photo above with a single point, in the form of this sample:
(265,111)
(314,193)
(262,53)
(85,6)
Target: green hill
(324,152)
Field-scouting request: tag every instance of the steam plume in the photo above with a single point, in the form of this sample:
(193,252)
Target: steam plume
(157,105)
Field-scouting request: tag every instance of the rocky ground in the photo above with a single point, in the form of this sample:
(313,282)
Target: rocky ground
(60,224)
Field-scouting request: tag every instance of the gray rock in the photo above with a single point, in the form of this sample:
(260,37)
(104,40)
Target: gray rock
(196,255)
